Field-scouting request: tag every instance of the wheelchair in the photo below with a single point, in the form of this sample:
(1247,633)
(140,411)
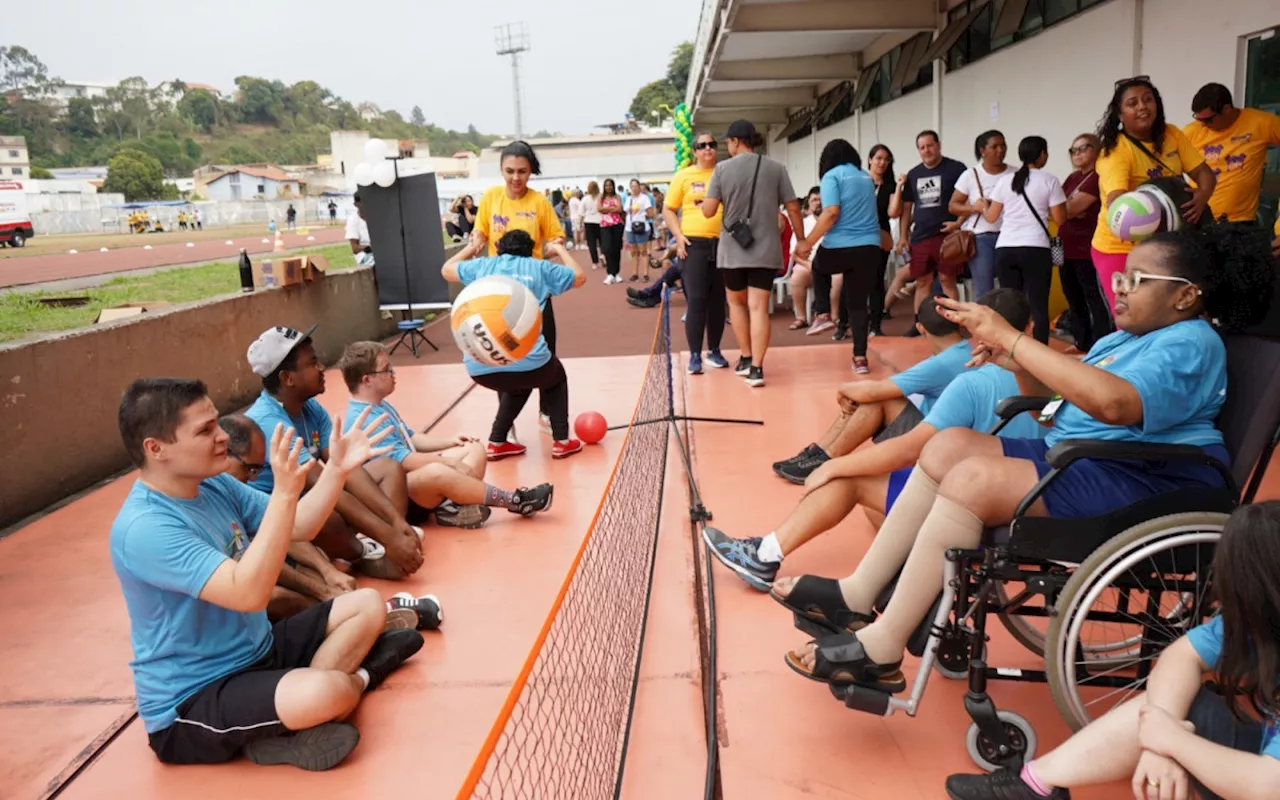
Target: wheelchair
(1115,589)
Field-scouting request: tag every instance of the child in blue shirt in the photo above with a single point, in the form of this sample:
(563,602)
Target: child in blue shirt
(540,369)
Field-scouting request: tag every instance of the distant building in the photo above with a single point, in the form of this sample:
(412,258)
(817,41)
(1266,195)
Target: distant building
(368,111)
(14,162)
(575,160)
(347,152)
(247,182)
(61,96)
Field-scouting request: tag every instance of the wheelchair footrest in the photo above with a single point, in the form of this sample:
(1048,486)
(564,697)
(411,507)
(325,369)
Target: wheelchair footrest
(860,698)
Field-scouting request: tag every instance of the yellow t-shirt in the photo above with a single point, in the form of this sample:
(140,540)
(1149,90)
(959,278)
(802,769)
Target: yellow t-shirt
(1238,156)
(687,189)
(532,213)
(1126,168)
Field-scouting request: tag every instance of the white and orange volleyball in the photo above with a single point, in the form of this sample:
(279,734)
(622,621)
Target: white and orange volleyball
(496,320)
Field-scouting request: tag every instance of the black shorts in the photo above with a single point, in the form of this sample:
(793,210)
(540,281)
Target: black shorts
(215,723)
(737,280)
(905,422)
(839,260)
(1214,721)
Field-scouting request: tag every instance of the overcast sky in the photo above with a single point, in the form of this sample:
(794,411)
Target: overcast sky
(586,61)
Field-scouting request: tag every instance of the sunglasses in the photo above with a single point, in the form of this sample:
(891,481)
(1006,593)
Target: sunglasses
(251,470)
(1209,119)
(1084,148)
(705,145)
(1134,79)
(1128,282)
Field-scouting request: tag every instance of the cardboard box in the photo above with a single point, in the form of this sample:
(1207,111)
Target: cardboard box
(314,267)
(129,310)
(271,272)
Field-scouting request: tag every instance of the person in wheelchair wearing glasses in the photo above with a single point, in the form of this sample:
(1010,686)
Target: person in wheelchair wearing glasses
(1160,378)
(1219,740)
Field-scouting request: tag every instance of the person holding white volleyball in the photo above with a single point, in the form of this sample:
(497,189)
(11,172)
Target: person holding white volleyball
(539,368)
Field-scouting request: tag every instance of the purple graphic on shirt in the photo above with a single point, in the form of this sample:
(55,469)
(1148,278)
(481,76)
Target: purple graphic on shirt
(1236,162)
(1154,172)
(1212,152)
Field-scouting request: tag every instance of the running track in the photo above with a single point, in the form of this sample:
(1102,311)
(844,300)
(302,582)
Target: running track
(17,271)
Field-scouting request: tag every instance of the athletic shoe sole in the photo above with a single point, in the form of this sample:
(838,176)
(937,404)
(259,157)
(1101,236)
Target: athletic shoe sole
(315,749)
(714,365)
(467,517)
(383,568)
(751,579)
(491,456)
(565,453)
(401,619)
(755,383)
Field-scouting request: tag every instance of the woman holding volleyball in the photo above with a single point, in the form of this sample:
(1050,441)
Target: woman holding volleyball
(1137,146)
(540,369)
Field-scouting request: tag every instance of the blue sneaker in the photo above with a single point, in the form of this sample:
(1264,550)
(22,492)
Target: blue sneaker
(695,364)
(742,556)
(716,360)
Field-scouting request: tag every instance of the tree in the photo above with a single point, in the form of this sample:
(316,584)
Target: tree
(136,175)
(200,108)
(80,118)
(259,100)
(20,70)
(417,117)
(40,173)
(679,66)
(651,96)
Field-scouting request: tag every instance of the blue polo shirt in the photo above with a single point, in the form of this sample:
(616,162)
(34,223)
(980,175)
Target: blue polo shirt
(970,402)
(400,440)
(313,425)
(854,192)
(931,376)
(544,278)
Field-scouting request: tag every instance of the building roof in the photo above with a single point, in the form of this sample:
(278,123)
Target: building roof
(270,172)
(463,154)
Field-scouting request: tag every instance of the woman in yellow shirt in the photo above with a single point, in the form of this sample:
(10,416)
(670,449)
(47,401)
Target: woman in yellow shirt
(1138,146)
(696,238)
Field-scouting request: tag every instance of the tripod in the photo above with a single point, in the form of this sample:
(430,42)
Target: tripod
(409,327)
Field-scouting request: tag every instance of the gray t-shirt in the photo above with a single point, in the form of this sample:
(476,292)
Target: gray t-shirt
(731,185)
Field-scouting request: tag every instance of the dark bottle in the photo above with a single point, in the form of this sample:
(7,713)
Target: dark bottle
(246,272)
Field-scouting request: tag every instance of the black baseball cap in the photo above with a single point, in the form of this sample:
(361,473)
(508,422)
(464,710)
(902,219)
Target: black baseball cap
(742,130)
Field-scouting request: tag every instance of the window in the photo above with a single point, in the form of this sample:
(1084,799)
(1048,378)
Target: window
(978,41)
(882,91)
(262,189)
(1262,90)
(17,170)
(13,154)
(235,179)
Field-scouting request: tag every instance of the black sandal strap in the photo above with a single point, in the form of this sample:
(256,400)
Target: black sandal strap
(820,600)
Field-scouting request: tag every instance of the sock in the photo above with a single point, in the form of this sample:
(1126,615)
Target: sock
(769,549)
(493,496)
(1032,782)
(363,675)
(892,545)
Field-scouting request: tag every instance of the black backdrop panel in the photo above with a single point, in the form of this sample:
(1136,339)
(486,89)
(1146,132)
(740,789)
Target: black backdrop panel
(423,240)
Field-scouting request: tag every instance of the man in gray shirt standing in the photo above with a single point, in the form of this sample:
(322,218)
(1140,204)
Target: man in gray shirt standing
(751,187)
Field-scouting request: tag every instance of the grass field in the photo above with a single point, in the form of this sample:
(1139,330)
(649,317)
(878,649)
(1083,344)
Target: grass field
(60,243)
(22,314)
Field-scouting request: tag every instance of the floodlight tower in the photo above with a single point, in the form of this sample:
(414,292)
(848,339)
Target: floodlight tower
(513,39)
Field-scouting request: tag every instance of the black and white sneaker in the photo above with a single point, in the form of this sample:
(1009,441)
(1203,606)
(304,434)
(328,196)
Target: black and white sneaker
(315,749)
(428,615)
(389,651)
(531,501)
(1003,784)
(755,377)
(798,471)
(743,557)
(811,450)
(451,515)
(743,366)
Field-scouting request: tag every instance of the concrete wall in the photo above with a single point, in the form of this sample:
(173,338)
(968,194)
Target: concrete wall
(59,393)
(71,212)
(243,186)
(88,213)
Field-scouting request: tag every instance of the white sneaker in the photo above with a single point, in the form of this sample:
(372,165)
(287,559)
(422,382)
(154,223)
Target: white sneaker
(372,550)
(544,424)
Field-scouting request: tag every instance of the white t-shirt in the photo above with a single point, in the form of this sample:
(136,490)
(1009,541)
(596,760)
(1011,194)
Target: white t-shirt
(1019,227)
(575,209)
(357,228)
(590,210)
(637,208)
(810,222)
(977,223)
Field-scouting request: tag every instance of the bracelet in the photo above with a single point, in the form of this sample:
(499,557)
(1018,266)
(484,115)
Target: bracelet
(1009,358)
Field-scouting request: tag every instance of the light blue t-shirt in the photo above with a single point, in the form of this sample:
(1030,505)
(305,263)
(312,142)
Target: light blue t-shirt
(855,192)
(544,278)
(314,426)
(401,437)
(164,550)
(1206,640)
(1180,373)
(932,376)
(971,399)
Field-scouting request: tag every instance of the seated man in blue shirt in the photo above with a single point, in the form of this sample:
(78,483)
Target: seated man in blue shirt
(445,476)
(883,409)
(198,553)
(373,497)
(872,477)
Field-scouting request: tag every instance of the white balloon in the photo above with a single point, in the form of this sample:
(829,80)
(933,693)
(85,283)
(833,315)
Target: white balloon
(363,174)
(375,150)
(384,173)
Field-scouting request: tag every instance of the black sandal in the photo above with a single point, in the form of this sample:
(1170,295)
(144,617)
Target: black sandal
(839,660)
(819,607)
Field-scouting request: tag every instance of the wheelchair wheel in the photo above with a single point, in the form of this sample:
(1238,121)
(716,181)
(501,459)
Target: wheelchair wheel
(1020,733)
(1129,600)
(1022,629)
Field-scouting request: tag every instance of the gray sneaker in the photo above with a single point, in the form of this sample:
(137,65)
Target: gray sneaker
(315,749)
(450,515)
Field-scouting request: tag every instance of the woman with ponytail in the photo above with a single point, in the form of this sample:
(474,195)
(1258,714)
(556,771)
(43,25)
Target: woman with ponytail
(1028,199)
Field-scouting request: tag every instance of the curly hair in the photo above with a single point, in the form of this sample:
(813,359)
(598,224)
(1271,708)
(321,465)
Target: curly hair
(1232,265)
(836,153)
(1109,125)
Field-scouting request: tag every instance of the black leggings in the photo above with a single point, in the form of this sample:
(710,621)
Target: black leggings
(611,244)
(1090,315)
(878,292)
(513,390)
(593,240)
(548,333)
(1030,270)
(859,266)
(704,294)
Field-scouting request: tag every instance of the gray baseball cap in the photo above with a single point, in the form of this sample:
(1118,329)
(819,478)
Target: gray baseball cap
(269,350)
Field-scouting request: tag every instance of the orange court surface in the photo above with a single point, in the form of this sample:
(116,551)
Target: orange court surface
(67,727)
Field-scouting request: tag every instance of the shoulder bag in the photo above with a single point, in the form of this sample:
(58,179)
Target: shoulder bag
(961,245)
(740,230)
(1056,251)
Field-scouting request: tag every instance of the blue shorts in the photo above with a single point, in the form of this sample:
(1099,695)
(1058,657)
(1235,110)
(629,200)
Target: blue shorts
(897,480)
(637,239)
(1093,487)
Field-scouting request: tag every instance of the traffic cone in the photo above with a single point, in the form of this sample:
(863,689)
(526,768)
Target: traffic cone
(279,247)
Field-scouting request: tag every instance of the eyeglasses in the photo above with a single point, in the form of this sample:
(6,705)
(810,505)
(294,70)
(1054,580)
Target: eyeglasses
(705,146)
(251,470)
(1209,119)
(1134,79)
(387,371)
(1128,282)
(1084,148)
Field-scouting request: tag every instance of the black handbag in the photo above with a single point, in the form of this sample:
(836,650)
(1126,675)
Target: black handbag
(639,227)
(740,230)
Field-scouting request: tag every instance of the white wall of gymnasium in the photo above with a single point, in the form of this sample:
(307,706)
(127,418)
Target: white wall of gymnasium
(1055,84)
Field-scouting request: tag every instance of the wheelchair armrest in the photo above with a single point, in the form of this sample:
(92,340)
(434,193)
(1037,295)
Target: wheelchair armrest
(1011,407)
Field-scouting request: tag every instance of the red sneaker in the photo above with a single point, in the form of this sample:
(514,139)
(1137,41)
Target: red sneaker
(497,451)
(565,448)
